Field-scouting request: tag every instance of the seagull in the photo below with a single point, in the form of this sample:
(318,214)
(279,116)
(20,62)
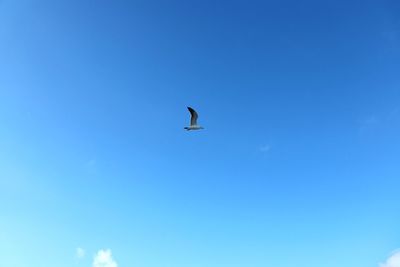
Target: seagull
(193,120)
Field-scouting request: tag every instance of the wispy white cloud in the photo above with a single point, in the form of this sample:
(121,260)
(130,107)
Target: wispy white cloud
(371,120)
(369,123)
(386,118)
(391,32)
(80,253)
(393,260)
(103,258)
(265,148)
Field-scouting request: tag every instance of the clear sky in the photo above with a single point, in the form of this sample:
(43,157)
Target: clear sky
(298,165)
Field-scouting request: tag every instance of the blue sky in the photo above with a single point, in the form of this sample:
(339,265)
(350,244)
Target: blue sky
(298,164)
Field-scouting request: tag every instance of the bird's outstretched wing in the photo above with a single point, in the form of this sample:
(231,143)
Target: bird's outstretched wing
(194,116)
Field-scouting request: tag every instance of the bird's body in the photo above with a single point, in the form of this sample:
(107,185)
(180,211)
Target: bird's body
(194,127)
(193,121)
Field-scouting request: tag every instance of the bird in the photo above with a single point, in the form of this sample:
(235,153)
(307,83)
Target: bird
(193,120)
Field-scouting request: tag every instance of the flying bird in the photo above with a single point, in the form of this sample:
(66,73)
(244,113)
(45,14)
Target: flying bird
(193,120)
